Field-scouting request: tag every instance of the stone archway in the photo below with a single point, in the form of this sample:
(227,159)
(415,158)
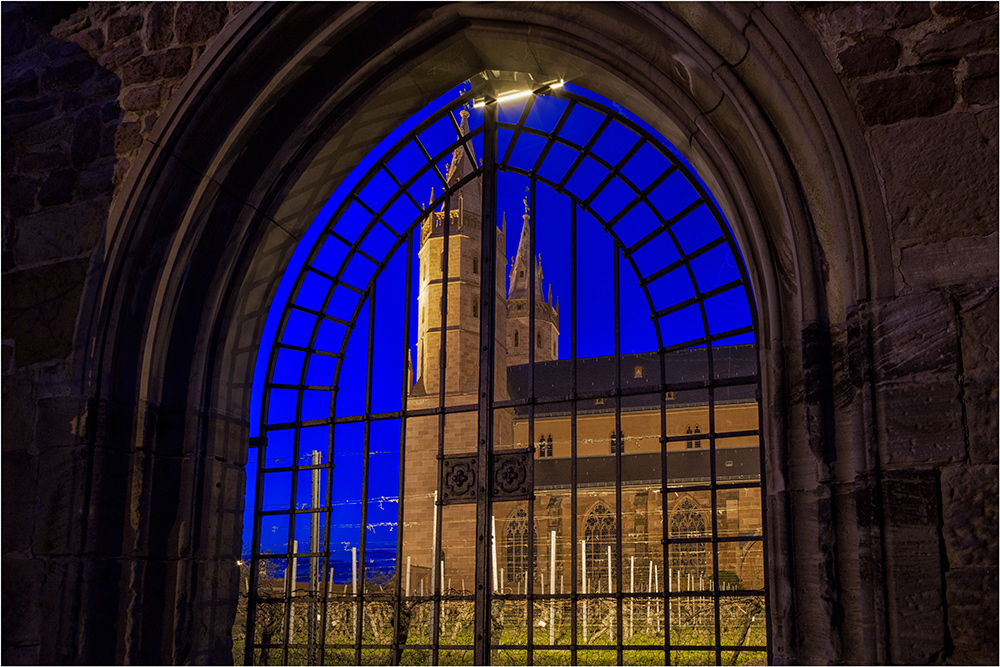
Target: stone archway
(286,102)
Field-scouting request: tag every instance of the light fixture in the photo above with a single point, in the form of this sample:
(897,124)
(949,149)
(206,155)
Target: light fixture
(555,84)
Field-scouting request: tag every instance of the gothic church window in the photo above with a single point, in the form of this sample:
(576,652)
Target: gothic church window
(600,531)
(516,547)
(688,557)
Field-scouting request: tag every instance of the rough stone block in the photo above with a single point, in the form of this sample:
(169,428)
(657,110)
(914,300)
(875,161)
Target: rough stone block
(19,473)
(22,586)
(22,196)
(89,40)
(57,188)
(876,54)
(141,98)
(972,587)
(979,364)
(971,259)
(920,423)
(969,11)
(60,233)
(915,334)
(127,138)
(40,307)
(913,560)
(121,27)
(959,41)
(890,100)
(172,63)
(18,412)
(112,59)
(969,515)
(61,422)
(160,25)
(198,23)
(935,186)
(87,138)
(69,74)
(980,91)
(972,605)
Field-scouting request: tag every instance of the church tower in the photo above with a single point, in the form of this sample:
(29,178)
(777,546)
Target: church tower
(462,286)
(462,218)
(546,341)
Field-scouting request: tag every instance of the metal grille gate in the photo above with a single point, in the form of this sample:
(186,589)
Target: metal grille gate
(703,367)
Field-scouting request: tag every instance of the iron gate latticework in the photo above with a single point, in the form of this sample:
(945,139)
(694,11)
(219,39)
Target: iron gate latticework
(398,434)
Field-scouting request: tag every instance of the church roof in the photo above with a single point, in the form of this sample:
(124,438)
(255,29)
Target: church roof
(595,376)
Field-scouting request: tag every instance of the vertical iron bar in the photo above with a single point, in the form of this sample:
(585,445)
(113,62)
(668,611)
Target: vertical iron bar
(487,291)
(573,584)
(359,602)
(314,548)
(326,587)
(532,345)
(442,366)
(291,560)
(713,481)
(664,523)
(620,440)
(396,656)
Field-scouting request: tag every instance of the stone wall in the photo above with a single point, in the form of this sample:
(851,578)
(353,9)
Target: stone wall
(923,77)
(85,85)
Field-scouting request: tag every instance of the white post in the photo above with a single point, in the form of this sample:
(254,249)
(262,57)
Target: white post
(503,580)
(656,586)
(583,563)
(354,570)
(552,590)
(649,589)
(609,568)
(407,576)
(421,587)
(434,542)
(631,602)
(294,576)
(493,541)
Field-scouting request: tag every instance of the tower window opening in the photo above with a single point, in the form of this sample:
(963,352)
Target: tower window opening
(516,338)
(697,443)
(475,309)
(539,340)
(517,546)
(617,442)
(475,265)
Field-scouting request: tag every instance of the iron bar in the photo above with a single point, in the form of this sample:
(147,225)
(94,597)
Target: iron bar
(365,471)
(487,293)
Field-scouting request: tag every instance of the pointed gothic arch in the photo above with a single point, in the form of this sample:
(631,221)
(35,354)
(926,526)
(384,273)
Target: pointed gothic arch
(221,195)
